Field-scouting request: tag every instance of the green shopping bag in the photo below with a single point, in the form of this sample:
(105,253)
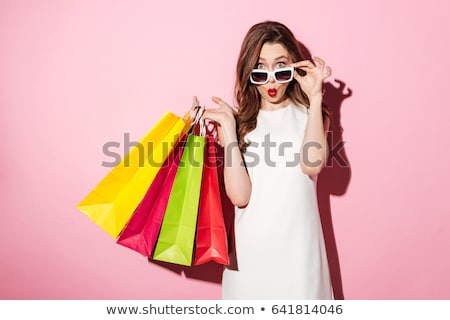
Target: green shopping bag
(177,234)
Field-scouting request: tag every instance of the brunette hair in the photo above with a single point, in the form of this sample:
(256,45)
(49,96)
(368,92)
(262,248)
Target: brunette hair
(247,96)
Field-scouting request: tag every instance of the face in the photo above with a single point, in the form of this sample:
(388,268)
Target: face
(273,56)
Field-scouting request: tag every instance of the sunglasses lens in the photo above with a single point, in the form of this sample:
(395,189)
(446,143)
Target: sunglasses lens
(259,76)
(284,75)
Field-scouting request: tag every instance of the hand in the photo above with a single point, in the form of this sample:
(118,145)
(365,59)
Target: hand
(224,117)
(311,82)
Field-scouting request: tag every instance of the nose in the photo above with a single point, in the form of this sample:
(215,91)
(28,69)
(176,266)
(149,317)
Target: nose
(272,78)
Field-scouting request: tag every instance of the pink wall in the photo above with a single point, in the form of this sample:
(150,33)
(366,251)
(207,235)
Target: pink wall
(76,74)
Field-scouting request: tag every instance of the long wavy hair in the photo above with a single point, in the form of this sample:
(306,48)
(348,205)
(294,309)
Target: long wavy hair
(247,96)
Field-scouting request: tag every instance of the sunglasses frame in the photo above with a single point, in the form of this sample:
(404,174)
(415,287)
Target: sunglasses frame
(272,74)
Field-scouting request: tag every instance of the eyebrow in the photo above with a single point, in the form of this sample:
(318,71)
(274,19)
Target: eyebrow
(278,58)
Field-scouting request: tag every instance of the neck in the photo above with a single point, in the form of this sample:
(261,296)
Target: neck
(268,105)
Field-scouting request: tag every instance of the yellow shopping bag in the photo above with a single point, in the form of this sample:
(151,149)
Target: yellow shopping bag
(112,202)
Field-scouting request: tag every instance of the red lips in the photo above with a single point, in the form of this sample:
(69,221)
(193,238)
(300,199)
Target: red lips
(272,92)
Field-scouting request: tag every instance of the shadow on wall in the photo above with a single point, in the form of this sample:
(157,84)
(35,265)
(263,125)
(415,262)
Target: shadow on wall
(335,177)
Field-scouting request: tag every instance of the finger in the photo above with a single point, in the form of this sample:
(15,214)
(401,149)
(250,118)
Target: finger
(327,72)
(212,114)
(222,103)
(320,62)
(303,64)
(219,101)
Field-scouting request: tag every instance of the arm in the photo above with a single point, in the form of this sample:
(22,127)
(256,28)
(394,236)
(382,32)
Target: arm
(237,181)
(314,150)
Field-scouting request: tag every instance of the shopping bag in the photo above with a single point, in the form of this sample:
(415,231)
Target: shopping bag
(211,242)
(141,231)
(112,202)
(175,243)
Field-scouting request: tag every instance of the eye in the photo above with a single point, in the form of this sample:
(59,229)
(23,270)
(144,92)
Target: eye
(281,64)
(260,66)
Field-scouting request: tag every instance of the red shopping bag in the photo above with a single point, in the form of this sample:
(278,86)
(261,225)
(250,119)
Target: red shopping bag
(141,232)
(211,235)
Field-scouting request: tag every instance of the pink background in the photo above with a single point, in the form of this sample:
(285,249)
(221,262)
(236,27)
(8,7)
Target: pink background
(77,74)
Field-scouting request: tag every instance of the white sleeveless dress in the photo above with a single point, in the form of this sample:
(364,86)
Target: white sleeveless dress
(279,240)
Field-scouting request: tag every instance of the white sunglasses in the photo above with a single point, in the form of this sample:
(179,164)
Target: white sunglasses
(282,75)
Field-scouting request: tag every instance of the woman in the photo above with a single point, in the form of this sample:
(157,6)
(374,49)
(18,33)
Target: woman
(275,146)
